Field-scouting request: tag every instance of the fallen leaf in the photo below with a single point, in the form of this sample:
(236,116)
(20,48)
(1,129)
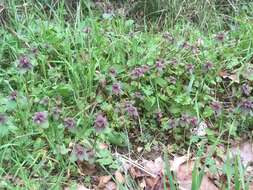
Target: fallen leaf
(245,151)
(103,180)
(135,173)
(174,165)
(184,178)
(154,183)
(207,184)
(119,177)
(110,186)
(155,167)
(232,76)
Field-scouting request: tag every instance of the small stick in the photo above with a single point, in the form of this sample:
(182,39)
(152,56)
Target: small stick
(136,165)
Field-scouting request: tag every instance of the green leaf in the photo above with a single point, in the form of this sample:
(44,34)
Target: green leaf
(183,99)
(161,82)
(116,138)
(62,89)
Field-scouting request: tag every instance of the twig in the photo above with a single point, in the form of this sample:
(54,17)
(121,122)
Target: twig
(130,161)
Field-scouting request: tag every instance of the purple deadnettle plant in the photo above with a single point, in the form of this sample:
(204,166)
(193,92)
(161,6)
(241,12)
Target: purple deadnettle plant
(193,121)
(246,89)
(160,65)
(216,107)
(79,153)
(246,106)
(100,122)
(131,110)
(41,119)
(116,89)
(137,73)
(70,124)
(24,64)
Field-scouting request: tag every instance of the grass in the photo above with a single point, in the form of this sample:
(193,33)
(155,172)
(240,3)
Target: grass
(75,78)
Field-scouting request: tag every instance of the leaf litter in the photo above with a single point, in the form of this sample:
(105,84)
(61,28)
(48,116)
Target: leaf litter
(150,174)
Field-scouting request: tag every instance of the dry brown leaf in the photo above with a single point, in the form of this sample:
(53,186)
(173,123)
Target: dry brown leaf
(207,184)
(110,186)
(154,183)
(119,177)
(232,76)
(245,151)
(184,175)
(135,173)
(184,178)
(174,165)
(103,180)
(155,167)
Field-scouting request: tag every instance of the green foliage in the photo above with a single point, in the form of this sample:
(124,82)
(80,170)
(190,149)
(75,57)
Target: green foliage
(71,77)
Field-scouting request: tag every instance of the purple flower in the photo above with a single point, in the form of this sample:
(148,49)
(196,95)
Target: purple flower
(3,119)
(69,123)
(40,118)
(246,89)
(56,112)
(220,36)
(112,72)
(13,95)
(168,36)
(100,122)
(116,89)
(137,73)
(24,63)
(187,120)
(207,66)
(246,105)
(160,65)
(131,110)
(79,152)
(189,67)
(193,121)
(216,107)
